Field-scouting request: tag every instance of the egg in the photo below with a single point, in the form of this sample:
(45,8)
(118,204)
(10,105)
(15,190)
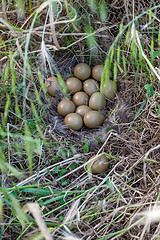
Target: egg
(82,71)
(80,98)
(51,85)
(82,110)
(109,89)
(65,106)
(97,72)
(73,84)
(93,119)
(73,121)
(97,101)
(90,86)
(99,164)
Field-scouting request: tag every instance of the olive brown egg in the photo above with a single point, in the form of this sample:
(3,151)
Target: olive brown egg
(82,110)
(97,101)
(90,86)
(93,119)
(97,72)
(73,84)
(51,85)
(99,164)
(82,71)
(80,98)
(109,89)
(73,121)
(65,106)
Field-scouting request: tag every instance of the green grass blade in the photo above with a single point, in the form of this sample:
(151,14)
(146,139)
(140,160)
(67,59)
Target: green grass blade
(29,147)
(137,114)
(7,105)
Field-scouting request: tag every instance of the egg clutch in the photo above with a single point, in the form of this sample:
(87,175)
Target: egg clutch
(87,100)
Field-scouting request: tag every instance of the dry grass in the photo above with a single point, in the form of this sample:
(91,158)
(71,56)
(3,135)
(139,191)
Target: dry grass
(46,192)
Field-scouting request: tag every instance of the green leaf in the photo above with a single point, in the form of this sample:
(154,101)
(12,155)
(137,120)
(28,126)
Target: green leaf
(61,201)
(149,89)
(41,202)
(63,171)
(108,129)
(61,218)
(86,148)
(73,149)
(97,139)
(63,154)
(55,158)
(54,199)
(56,169)
(64,182)
(73,165)
(155,54)
(37,191)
